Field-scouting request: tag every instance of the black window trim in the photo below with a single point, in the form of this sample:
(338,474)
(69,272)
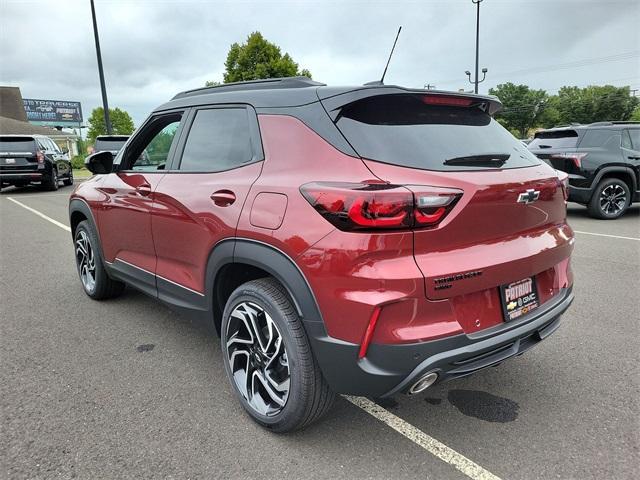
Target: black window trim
(254,137)
(140,132)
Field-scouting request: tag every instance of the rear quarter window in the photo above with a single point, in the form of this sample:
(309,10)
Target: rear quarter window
(597,138)
(404,130)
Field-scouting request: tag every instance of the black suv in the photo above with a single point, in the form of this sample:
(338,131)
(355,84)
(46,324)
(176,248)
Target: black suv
(602,160)
(110,143)
(26,159)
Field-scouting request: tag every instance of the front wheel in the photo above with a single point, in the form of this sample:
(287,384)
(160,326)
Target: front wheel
(610,199)
(268,359)
(93,276)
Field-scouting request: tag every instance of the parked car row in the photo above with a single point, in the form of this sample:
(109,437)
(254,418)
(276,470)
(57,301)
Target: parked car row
(37,159)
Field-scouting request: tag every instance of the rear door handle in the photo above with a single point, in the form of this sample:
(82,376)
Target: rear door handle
(223,198)
(144,189)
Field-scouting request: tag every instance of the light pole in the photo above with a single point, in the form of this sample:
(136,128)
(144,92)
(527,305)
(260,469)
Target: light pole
(476,81)
(105,103)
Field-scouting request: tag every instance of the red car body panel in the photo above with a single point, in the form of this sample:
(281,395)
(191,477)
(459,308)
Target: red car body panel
(168,223)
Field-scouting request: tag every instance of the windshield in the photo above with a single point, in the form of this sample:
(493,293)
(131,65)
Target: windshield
(405,130)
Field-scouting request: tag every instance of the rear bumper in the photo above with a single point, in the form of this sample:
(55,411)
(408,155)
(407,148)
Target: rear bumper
(580,195)
(20,177)
(391,369)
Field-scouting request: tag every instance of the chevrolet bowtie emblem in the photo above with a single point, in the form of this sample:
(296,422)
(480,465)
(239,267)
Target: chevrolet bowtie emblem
(529,196)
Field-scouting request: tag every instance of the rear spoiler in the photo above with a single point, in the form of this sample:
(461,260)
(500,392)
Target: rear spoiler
(334,98)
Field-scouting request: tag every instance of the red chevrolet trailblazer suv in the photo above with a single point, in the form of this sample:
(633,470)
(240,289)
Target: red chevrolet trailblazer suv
(365,240)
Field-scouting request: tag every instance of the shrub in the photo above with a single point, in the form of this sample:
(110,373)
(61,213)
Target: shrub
(77,162)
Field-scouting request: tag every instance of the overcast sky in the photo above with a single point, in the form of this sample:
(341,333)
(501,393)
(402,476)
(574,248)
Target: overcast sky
(153,49)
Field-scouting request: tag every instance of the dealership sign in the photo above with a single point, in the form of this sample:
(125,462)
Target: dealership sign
(53,112)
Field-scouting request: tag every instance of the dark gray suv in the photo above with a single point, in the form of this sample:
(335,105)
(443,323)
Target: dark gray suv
(602,160)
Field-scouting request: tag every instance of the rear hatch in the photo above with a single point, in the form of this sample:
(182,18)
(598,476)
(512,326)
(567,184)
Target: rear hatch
(17,154)
(487,238)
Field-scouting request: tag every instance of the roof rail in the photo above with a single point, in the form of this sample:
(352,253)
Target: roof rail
(572,124)
(616,122)
(261,84)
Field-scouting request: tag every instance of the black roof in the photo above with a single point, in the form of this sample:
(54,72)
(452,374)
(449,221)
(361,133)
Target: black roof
(295,92)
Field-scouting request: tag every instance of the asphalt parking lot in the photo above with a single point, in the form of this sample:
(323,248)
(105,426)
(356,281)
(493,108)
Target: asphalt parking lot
(127,388)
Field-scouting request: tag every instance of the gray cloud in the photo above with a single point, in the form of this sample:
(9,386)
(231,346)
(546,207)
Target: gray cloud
(153,49)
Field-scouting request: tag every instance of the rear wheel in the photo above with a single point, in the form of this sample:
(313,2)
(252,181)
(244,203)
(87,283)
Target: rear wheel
(69,180)
(268,358)
(51,182)
(93,276)
(610,199)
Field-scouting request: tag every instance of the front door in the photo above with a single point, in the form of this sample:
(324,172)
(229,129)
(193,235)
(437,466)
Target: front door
(124,218)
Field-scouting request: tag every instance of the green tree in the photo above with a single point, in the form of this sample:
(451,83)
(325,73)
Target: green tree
(120,121)
(594,104)
(635,116)
(258,58)
(523,107)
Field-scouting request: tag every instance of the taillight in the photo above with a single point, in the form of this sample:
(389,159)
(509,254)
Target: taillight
(564,184)
(373,206)
(40,156)
(576,158)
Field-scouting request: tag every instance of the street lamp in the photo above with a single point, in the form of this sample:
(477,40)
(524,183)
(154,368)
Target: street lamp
(105,104)
(476,81)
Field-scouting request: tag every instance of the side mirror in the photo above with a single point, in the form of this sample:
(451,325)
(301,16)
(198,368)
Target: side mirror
(65,150)
(100,162)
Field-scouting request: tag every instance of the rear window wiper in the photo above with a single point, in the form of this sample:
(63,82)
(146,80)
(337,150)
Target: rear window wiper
(489,159)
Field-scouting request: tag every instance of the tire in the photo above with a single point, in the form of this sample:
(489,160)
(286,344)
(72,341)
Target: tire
(610,199)
(308,396)
(69,180)
(95,281)
(51,182)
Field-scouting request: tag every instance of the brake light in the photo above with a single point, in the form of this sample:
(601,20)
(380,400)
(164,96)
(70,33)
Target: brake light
(576,158)
(373,206)
(40,156)
(447,100)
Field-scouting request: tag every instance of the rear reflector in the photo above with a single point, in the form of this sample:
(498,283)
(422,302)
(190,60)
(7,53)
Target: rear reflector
(368,334)
(373,206)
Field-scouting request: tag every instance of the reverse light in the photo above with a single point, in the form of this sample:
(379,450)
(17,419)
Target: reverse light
(576,158)
(374,206)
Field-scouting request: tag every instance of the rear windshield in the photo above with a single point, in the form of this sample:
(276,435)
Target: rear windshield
(109,145)
(16,145)
(555,139)
(404,130)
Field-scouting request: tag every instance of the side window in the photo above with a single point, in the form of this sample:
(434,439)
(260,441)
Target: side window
(219,139)
(150,149)
(626,140)
(42,145)
(595,138)
(634,133)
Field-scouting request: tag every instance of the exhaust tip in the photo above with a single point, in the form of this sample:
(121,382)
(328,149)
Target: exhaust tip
(423,383)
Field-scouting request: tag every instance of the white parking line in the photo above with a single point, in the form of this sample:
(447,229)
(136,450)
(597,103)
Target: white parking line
(40,214)
(44,195)
(417,436)
(605,235)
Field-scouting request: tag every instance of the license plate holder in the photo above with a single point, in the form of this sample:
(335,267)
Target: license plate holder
(519,298)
